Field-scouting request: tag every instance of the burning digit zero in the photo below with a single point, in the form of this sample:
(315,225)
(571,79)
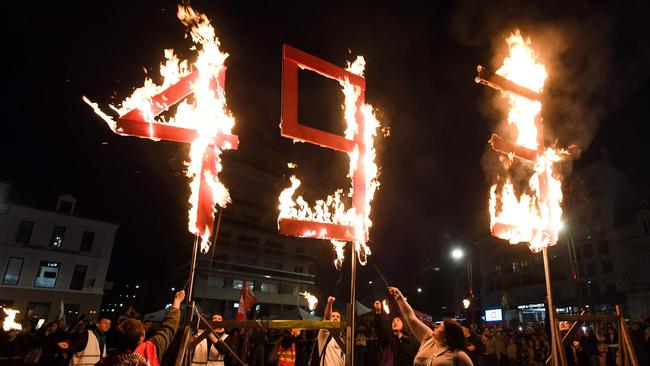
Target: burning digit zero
(329,218)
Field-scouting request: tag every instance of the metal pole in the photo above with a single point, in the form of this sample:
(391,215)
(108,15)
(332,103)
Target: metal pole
(551,309)
(349,357)
(195,249)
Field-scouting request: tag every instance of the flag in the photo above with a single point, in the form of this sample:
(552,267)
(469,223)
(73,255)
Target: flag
(61,310)
(246,301)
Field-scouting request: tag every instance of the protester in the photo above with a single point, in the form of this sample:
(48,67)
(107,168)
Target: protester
(396,343)
(90,346)
(331,351)
(133,350)
(440,347)
(473,344)
(211,350)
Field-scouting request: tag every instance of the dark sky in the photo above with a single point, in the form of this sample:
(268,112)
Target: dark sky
(421,62)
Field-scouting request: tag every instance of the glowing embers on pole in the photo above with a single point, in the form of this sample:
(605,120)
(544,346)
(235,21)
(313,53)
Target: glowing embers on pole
(10,320)
(312,301)
(330,218)
(532,216)
(201,119)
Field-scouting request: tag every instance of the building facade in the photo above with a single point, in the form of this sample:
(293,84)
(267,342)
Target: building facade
(52,258)
(248,247)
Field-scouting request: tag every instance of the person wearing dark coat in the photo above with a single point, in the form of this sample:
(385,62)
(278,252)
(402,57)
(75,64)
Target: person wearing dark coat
(402,347)
(576,354)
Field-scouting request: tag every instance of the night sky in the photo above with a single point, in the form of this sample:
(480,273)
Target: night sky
(421,62)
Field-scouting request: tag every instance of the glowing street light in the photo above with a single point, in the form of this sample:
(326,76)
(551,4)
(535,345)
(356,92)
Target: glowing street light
(457,253)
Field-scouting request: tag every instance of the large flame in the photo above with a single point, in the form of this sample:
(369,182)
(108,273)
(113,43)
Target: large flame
(10,320)
(527,218)
(206,112)
(311,300)
(384,304)
(332,209)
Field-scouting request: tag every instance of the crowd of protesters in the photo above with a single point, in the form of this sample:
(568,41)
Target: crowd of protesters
(380,340)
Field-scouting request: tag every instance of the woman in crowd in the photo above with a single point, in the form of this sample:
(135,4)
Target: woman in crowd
(440,347)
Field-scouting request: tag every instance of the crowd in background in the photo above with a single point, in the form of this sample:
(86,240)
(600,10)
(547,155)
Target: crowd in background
(594,344)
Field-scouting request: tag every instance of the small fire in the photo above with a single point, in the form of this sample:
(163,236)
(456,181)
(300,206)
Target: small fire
(311,300)
(206,112)
(332,209)
(10,323)
(527,218)
(384,303)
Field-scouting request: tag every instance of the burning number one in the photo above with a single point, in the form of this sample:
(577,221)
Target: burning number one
(533,219)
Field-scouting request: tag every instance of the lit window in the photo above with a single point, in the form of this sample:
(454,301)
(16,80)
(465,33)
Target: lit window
(269,287)
(47,274)
(238,284)
(57,237)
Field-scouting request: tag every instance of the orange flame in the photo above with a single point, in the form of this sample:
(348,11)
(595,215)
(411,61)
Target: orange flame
(384,304)
(333,209)
(206,113)
(311,300)
(10,323)
(534,219)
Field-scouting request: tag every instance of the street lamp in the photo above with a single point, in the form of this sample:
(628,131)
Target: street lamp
(457,254)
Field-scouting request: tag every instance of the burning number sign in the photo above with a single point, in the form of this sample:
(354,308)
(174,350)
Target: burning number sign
(329,219)
(205,123)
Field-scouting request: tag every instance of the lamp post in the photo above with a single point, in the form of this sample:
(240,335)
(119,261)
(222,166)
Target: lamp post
(458,254)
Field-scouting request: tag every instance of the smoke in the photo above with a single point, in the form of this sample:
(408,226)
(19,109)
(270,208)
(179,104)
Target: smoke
(595,53)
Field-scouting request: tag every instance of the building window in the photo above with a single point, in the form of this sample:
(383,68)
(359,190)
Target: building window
(273,248)
(610,288)
(25,231)
(57,236)
(78,277)
(515,266)
(71,312)
(12,273)
(238,284)
(300,249)
(607,266)
(215,281)
(594,288)
(38,310)
(603,248)
(497,270)
(87,241)
(269,287)
(297,269)
(47,274)
(6,303)
(273,265)
(588,251)
(246,260)
(591,269)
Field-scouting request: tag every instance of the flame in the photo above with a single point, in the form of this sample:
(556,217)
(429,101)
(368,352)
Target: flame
(9,323)
(332,209)
(206,112)
(384,303)
(311,300)
(535,218)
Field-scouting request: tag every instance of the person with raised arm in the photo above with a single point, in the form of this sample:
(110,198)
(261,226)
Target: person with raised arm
(331,352)
(442,346)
